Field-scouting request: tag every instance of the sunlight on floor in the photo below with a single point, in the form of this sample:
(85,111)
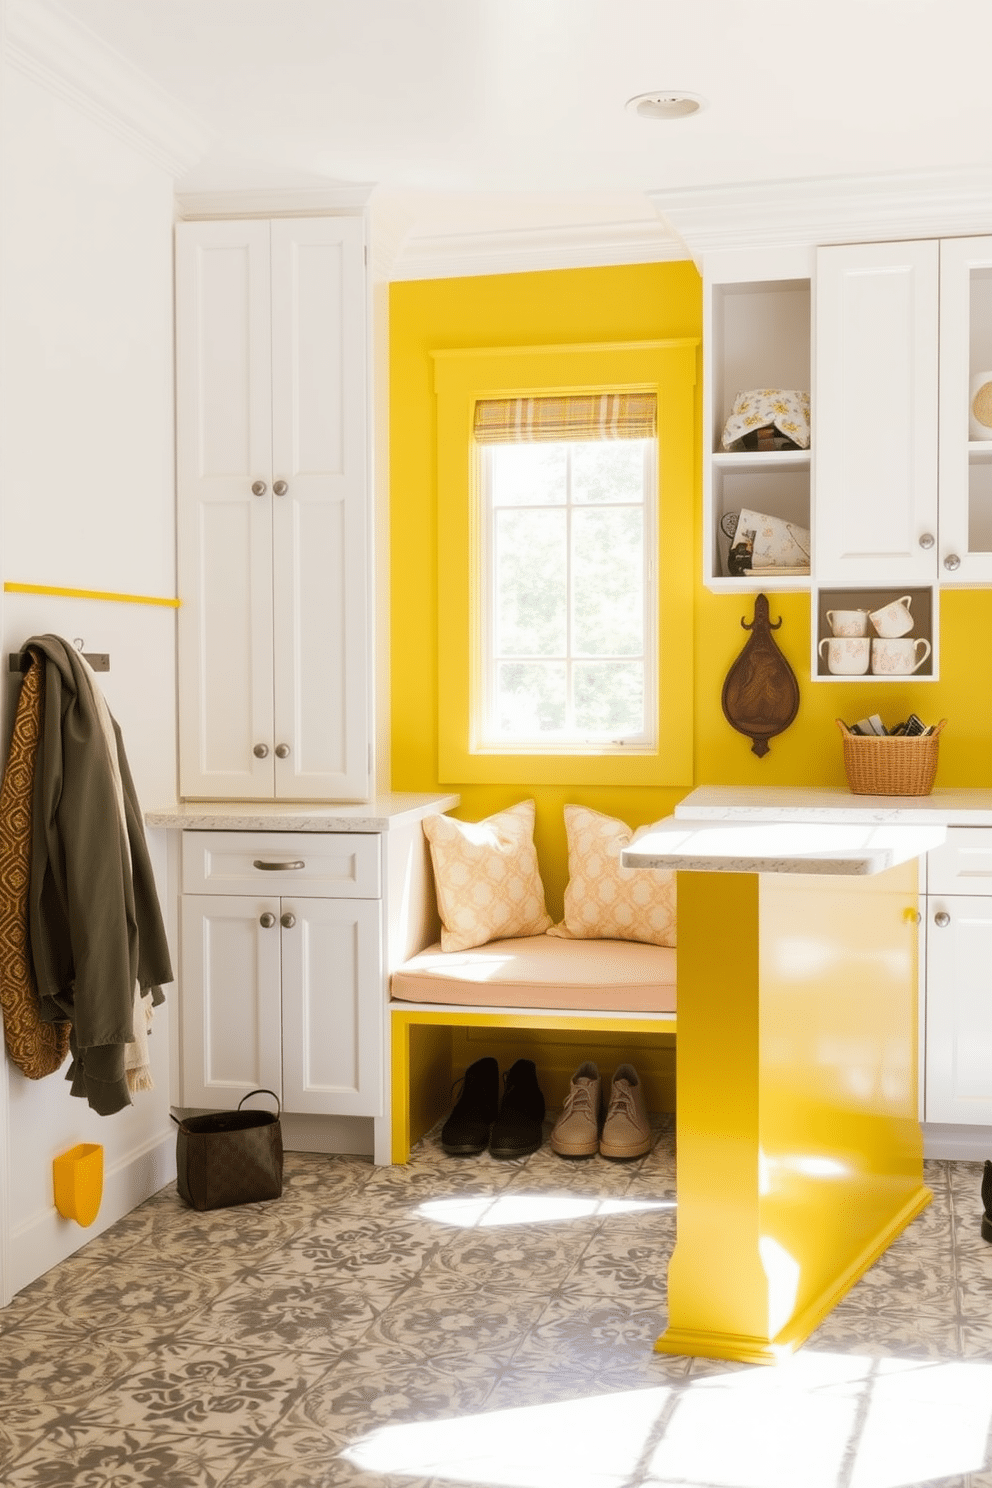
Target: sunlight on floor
(818,1419)
(514,1209)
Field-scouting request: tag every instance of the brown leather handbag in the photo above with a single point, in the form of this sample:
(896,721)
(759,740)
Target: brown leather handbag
(230,1157)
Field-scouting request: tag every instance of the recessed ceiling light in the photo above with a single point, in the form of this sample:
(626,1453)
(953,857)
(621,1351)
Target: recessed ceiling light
(665,103)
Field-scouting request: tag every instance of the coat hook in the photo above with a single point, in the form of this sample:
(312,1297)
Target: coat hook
(79,643)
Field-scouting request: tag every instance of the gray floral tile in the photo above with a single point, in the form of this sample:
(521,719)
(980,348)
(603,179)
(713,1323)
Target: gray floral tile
(353,1244)
(593,1336)
(291,1306)
(230,1392)
(129,1294)
(84,1455)
(360,1399)
(506,1256)
(441,1322)
(296,1457)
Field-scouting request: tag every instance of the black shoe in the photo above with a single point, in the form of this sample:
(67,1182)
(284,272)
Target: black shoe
(987,1202)
(466,1130)
(519,1128)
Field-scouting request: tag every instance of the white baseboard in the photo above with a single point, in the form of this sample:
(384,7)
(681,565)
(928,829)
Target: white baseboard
(46,1238)
(957,1143)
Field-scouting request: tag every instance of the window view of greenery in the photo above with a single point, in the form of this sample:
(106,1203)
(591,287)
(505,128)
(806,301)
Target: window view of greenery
(566,642)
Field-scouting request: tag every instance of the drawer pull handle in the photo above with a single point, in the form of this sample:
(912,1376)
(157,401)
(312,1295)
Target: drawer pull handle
(278,867)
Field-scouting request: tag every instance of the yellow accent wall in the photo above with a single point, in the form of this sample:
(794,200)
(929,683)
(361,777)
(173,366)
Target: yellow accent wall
(629,303)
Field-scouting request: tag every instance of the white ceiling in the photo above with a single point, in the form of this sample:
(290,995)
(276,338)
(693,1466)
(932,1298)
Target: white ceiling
(510,114)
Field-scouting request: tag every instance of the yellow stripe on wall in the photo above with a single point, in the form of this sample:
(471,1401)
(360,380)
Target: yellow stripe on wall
(148,599)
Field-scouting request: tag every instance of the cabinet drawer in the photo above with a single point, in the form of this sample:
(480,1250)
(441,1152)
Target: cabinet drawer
(963,864)
(335,865)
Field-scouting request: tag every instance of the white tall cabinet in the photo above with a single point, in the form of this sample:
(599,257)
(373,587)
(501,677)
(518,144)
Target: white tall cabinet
(273,512)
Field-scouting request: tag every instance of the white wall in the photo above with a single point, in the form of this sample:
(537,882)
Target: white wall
(86,501)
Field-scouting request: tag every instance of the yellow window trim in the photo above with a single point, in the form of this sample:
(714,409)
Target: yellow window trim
(461,378)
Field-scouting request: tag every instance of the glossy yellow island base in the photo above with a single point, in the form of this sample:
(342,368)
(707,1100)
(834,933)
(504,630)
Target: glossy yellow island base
(800,1157)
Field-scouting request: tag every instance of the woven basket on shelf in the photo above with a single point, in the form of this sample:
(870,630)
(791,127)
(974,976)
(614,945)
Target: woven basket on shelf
(893,765)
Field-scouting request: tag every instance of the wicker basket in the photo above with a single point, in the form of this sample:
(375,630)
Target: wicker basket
(896,765)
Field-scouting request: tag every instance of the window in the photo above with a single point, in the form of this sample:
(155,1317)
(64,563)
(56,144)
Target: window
(565,566)
(568,632)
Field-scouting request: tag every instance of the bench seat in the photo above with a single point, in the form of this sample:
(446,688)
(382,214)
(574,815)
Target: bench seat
(575,993)
(543,971)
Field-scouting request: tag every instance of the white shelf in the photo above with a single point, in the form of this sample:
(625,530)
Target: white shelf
(768,459)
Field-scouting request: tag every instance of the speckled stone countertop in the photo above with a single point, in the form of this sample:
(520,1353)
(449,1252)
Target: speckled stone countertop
(950,808)
(379,814)
(822,847)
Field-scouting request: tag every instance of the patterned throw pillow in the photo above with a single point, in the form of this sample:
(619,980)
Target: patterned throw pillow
(487,879)
(604,901)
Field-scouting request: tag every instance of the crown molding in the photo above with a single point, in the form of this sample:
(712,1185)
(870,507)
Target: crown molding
(529,250)
(67,59)
(275,201)
(797,213)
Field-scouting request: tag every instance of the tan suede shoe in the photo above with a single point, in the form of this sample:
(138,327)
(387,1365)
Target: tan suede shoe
(626,1130)
(576,1132)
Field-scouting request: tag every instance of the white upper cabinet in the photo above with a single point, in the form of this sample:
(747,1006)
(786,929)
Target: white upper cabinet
(965,436)
(875,414)
(273,511)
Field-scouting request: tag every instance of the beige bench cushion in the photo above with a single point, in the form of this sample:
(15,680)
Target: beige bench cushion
(537,971)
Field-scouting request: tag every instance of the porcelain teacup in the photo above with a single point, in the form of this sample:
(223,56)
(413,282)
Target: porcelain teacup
(893,619)
(898,656)
(848,622)
(847,656)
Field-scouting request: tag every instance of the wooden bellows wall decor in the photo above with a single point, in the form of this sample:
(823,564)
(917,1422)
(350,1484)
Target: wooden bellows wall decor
(761,694)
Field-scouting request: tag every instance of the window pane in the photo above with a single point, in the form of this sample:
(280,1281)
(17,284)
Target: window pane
(608,470)
(531,592)
(608,599)
(530,698)
(529,474)
(609,698)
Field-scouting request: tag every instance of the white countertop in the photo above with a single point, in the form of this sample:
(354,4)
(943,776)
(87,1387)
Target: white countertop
(822,847)
(379,814)
(950,808)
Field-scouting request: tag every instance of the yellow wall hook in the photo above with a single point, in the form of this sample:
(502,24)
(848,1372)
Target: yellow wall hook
(78,1176)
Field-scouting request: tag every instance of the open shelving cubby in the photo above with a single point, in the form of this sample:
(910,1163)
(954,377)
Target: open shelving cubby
(758,336)
(923,608)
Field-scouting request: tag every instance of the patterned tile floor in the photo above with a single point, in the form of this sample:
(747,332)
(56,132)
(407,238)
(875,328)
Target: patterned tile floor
(474,1322)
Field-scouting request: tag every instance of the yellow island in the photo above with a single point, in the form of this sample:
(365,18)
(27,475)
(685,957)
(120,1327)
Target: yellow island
(800,1156)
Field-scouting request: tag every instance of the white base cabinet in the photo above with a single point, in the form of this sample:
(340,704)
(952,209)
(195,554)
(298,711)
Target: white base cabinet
(281,986)
(958,922)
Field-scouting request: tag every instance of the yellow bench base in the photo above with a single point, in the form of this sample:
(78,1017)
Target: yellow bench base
(432,1046)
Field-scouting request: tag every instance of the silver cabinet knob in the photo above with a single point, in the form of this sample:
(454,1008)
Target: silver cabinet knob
(258,488)
(927,539)
(287,921)
(267,920)
(280,487)
(260,751)
(282,751)
(942,918)
(951,562)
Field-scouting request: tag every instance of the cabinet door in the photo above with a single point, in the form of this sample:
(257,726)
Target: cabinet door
(230,1011)
(965,461)
(224,423)
(875,431)
(321,517)
(332,1006)
(959,1009)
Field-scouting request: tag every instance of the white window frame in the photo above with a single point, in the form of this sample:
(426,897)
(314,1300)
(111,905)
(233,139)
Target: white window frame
(486,739)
